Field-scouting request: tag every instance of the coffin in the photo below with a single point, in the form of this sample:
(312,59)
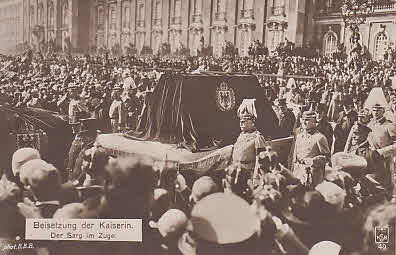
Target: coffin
(180,158)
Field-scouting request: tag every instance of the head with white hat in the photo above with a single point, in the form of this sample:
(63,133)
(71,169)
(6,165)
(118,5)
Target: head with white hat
(233,231)
(308,120)
(21,156)
(41,178)
(247,115)
(376,102)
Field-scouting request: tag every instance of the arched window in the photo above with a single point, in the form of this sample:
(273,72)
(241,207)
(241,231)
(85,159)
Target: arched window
(381,45)
(330,43)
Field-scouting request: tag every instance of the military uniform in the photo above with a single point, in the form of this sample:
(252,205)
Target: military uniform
(245,149)
(77,109)
(308,146)
(250,142)
(286,119)
(383,133)
(80,142)
(343,128)
(357,138)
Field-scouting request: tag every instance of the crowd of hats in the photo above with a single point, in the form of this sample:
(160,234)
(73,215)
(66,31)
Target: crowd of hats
(205,217)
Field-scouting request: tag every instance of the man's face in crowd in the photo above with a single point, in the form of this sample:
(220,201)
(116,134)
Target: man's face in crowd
(246,125)
(309,123)
(282,108)
(319,115)
(363,119)
(378,113)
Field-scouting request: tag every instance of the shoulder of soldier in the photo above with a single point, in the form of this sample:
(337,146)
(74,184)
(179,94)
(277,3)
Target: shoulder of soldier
(318,135)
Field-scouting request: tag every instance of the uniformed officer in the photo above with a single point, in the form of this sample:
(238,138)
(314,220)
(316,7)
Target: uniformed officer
(382,135)
(323,124)
(311,152)
(250,142)
(358,134)
(87,134)
(391,113)
(77,109)
(347,119)
(286,118)
(117,111)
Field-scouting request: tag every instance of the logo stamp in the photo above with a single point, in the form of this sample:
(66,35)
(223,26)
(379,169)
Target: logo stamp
(382,237)
(225,97)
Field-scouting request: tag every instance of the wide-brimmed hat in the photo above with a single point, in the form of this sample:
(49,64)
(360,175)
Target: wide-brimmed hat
(236,222)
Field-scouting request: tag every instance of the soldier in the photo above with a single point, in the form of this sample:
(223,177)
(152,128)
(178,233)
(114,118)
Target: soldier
(311,152)
(382,135)
(117,111)
(390,114)
(286,118)
(323,124)
(359,133)
(77,110)
(84,137)
(250,142)
(347,119)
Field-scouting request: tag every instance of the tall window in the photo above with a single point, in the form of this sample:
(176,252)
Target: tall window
(32,23)
(65,13)
(113,17)
(177,10)
(157,9)
(51,14)
(195,6)
(100,17)
(275,39)
(330,43)
(243,47)
(40,14)
(381,45)
(141,12)
(218,6)
(125,15)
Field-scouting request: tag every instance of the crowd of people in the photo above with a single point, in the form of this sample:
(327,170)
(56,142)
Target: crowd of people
(335,189)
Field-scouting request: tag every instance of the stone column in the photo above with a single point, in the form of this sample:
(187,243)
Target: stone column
(296,16)
(106,24)
(119,21)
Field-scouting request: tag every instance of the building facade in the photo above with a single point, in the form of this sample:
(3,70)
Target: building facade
(85,25)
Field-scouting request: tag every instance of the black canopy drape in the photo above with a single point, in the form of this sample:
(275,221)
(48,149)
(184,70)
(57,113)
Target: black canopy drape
(186,109)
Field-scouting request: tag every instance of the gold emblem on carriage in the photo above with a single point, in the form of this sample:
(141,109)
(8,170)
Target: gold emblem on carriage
(225,97)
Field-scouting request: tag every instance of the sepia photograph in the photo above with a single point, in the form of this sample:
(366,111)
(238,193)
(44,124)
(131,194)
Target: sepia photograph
(197,127)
